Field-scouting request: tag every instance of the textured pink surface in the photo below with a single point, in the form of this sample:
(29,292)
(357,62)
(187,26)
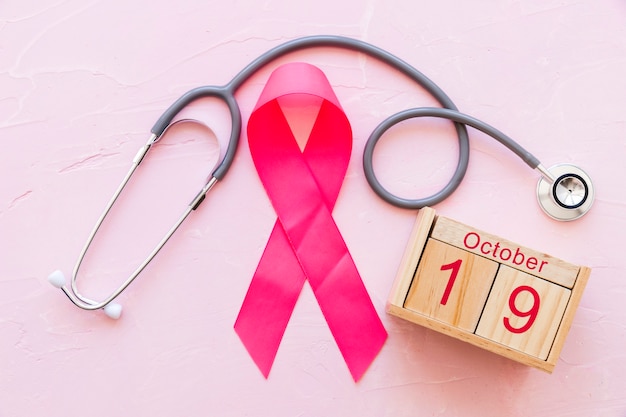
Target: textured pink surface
(81,84)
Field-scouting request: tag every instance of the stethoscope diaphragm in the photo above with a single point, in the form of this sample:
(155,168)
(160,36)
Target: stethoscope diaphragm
(567,198)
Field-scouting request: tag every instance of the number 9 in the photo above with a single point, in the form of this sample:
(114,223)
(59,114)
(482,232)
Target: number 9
(531,313)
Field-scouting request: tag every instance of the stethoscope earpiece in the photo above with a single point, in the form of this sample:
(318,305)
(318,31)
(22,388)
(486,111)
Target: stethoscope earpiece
(111,309)
(568,196)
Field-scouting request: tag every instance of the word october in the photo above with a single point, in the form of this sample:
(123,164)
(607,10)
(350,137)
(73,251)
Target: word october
(473,242)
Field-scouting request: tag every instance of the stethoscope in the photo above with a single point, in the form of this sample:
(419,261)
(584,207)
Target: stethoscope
(564,192)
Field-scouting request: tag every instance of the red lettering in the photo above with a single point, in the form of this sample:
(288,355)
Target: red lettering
(495,249)
(516,257)
(454,267)
(542,264)
(531,313)
(475,236)
(472,241)
(482,247)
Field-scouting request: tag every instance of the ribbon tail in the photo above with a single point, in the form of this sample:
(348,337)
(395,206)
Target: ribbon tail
(270,300)
(351,317)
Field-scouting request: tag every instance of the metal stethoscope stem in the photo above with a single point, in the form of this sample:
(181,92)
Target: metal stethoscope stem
(564,192)
(114,310)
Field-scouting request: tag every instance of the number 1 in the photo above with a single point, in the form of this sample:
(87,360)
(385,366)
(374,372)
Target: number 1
(454,266)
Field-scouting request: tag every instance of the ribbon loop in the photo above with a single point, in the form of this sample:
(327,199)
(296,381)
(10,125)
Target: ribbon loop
(305,242)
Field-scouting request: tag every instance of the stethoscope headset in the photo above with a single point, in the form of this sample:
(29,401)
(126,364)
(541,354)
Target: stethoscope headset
(564,191)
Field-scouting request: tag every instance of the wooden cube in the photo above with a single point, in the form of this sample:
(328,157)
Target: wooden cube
(488,291)
(523,312)
(451,285)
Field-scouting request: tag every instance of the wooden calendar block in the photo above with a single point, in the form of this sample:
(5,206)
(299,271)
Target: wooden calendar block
(451,285)
(486,290)
(521,311)
(505,252)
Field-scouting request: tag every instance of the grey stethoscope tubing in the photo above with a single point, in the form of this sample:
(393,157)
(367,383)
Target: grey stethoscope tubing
(564,192)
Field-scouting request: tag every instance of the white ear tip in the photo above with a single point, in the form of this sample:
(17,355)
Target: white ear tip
(57,278)
(113,310)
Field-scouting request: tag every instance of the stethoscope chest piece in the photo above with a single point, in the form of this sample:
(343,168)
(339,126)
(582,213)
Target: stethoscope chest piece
(569,196)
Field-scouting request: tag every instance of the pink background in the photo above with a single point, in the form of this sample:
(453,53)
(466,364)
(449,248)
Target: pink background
(81,83)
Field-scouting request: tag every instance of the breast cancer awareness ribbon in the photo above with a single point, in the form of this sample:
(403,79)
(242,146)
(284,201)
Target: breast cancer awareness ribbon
(305,242)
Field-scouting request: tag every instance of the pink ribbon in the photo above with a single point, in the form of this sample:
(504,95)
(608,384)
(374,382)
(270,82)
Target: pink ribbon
(305,242)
